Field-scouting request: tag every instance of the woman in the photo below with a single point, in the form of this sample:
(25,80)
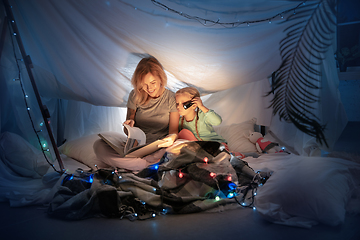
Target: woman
(152,108)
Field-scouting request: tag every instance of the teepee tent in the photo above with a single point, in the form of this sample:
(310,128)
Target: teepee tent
(272,61)
(84,53)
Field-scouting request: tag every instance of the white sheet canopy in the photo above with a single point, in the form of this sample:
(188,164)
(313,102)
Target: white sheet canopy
(85,51)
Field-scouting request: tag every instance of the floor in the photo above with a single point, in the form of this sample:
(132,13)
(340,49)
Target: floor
(236,223)
(33,223)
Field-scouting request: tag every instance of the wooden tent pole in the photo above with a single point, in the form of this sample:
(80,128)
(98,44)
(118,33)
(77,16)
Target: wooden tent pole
(28,63)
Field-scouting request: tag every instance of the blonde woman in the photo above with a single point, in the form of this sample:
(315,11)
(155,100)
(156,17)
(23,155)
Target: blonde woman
(150,107)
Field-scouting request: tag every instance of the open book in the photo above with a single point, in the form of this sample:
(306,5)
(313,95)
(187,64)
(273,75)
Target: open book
(135,145)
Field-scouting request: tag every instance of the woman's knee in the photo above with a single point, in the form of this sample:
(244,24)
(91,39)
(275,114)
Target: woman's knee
(101,148)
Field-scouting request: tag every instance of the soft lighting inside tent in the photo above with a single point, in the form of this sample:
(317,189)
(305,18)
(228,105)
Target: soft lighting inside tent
(65,76)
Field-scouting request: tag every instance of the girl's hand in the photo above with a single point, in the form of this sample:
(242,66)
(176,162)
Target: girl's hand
(198,103)
(130,122)
(169,140)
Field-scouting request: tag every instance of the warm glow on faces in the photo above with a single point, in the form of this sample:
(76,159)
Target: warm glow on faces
(151,85)
(180,99)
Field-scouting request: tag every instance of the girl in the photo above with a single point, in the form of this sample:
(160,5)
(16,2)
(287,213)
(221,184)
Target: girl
(197,121)
(196,124)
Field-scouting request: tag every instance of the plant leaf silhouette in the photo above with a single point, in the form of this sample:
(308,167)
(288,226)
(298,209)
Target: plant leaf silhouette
(295,84)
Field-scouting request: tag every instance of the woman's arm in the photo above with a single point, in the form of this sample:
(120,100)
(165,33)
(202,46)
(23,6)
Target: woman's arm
(174,123)
(130,116)
(173,130)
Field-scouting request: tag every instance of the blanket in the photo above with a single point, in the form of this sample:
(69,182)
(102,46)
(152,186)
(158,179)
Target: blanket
(190,177)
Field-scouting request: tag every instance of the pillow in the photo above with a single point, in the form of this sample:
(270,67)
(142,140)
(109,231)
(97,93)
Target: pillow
(22,157)
(306,191)
(236,136)
(81,149)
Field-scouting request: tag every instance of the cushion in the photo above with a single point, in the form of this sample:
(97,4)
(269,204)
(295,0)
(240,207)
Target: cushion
(236,136)
(22,157)
(81,149)
(304,191)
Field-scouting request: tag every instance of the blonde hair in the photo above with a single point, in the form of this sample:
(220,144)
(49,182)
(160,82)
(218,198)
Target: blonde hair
(145,66)
(193,92)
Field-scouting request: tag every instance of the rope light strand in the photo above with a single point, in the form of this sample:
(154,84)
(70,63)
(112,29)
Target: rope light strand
(210,22)
(114,177)
(25,96)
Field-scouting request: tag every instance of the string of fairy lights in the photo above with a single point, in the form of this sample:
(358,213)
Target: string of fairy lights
(43,144)
(243,195)
(234,24)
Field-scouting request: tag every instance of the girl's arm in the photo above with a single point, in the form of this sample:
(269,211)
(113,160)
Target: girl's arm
(212,117)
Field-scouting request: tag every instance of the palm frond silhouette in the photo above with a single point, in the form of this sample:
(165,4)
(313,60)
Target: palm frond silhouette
(293,83)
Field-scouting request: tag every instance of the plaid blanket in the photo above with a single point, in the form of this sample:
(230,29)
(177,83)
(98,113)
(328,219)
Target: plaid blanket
(190,177)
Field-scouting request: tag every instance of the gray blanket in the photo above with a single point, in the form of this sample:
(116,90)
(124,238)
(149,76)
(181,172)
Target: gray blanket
(190,177)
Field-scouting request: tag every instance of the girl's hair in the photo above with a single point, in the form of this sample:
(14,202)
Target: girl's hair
(145,66)
(193,92)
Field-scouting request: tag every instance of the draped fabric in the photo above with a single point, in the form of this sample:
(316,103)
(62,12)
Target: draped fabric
(84,53)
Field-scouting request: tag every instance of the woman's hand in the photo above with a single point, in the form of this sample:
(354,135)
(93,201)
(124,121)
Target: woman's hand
(130,116)
(130,122)
(169,140)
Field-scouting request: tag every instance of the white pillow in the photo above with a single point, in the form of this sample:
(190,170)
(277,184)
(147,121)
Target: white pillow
(22,157)
(81,149)
(305,191)
(236,136)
